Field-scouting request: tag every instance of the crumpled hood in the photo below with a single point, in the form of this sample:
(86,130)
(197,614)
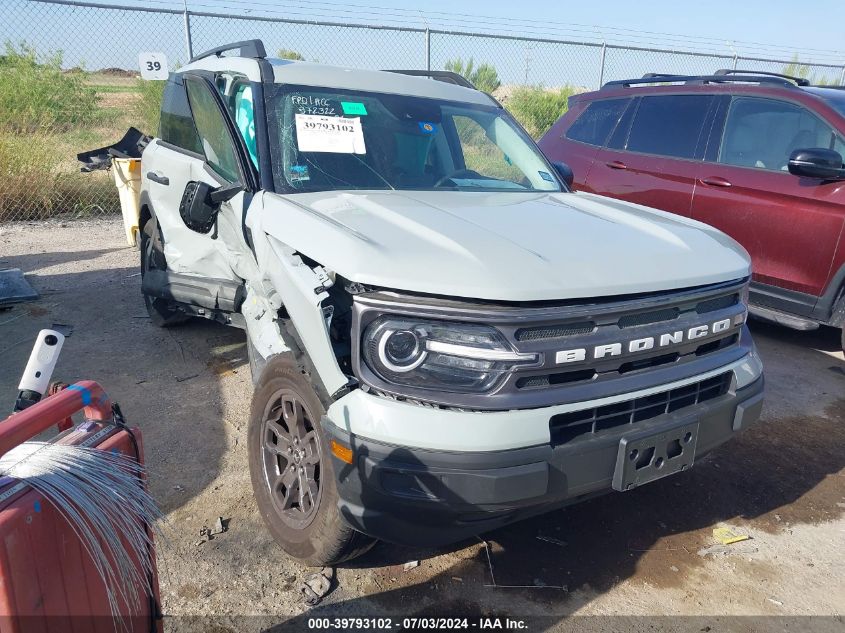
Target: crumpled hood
(502,246)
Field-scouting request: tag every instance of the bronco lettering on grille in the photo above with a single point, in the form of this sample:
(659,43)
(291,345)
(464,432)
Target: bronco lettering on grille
(642,344)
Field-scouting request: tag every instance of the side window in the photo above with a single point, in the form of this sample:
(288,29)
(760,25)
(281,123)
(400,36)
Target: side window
(214,135)
(619,138)
(244,115)
(669,125)
(597,121)
(762,133)
(177,126)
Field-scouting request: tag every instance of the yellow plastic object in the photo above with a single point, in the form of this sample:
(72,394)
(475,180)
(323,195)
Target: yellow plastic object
(127,178)
(726,536)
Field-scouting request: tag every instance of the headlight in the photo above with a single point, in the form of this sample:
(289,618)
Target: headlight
(740,319)
(455,357)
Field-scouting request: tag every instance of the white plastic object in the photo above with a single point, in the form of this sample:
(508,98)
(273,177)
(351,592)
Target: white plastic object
(42,362)
(127,178)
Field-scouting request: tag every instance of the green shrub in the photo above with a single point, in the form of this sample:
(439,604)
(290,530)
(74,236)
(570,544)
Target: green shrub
(39,179)
(485,77)
(287,53)
(148,106)
(537,108)
(36,94)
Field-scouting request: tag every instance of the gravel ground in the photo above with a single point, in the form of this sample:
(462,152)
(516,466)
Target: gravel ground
(623,554)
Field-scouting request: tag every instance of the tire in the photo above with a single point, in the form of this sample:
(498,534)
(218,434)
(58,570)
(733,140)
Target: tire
(288,453)
(163,313)
(842,342)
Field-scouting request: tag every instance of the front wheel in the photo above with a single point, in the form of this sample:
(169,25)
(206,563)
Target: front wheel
(163,313)
(291,471)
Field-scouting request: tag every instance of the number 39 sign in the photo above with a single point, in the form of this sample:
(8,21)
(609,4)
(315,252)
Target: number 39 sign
(153,65)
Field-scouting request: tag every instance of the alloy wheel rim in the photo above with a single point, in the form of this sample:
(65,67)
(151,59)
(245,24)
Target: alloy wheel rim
(291,457)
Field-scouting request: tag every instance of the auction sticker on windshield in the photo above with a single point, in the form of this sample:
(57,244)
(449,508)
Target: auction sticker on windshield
(337,135)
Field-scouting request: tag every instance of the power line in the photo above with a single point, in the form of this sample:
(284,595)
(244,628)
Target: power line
(321,10)
(379,11)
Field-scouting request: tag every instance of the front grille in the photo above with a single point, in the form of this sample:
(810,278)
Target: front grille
(719,303)
(644,318)
(554,331)
(584,349)
(566,427)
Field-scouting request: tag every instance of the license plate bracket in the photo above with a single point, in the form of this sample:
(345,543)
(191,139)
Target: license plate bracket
(645,458)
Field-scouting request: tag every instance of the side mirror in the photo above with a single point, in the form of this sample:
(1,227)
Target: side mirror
(201,203)
(817,162)
(565,173)
(224,194)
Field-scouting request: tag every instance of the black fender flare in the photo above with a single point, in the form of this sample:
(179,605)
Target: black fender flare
(147,212)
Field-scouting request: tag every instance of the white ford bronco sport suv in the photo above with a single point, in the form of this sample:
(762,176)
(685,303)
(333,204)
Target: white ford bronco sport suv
(444,339)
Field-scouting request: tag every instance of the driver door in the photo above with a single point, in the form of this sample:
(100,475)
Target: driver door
(198,145)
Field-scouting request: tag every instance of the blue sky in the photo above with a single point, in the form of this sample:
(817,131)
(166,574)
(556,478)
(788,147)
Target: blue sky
(752,24)
(99,38)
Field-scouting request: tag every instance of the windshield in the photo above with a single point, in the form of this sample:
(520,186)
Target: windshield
(326,139)
(837,102)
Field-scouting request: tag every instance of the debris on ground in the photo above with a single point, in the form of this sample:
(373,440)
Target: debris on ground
(207,533)
(315,586)
(674,569)
(551,539)
(773,601)
(220,526)
(727,550)
(14,288)
(205,536)
(411,564)
(727,536)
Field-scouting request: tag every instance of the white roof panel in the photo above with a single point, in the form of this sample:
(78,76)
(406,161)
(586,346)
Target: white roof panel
(312,74)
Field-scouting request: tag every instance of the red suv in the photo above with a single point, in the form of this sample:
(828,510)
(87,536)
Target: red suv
(758,156)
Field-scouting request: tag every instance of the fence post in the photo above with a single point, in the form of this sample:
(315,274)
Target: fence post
(601,68)
(189,45)
(736,59)
(427,49)
(842,77)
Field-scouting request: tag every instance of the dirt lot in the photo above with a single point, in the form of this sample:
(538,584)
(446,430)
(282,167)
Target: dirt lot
(782,482)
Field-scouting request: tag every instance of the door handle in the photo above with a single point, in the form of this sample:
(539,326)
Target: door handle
(617,164)
(159,178)
(715,181)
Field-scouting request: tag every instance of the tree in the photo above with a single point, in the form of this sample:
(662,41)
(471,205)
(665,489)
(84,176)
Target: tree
(802,71)
(287,53)
(484,77)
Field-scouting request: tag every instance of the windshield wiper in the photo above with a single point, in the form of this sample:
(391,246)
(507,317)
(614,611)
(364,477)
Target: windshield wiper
(364,163)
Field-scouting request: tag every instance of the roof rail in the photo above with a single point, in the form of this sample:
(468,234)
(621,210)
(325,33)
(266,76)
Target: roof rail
(248,48)
(659,75)
(657,78)
(446,76)
(801,81)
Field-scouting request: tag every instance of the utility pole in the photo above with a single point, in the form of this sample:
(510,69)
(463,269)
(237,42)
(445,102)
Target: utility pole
(527,61)
(601,65)
(189,45)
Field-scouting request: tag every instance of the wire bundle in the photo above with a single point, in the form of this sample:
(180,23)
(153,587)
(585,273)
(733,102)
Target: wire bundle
(102,497)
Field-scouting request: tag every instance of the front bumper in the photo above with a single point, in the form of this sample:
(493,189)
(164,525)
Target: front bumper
(429,497)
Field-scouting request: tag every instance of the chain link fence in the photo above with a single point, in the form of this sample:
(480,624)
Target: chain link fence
(69,80)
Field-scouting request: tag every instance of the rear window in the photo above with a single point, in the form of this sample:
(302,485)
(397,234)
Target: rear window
(596,122)
(177,124)
(668,126)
